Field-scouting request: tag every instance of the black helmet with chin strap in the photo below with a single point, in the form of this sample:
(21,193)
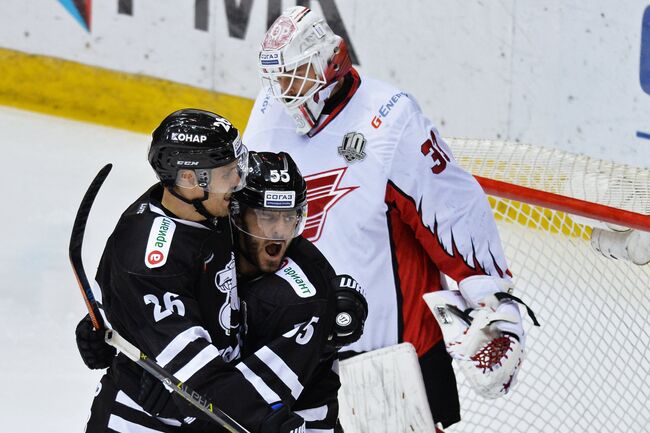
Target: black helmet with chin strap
(197,140)
(273,184)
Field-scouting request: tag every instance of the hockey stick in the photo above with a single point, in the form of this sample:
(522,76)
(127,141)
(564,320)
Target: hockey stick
(116,340)
(76,240)
(193,397)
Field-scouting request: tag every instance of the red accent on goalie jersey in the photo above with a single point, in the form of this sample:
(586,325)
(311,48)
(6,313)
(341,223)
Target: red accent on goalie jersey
(322,193)
(452,263)
(356,82)
(415,275)
(420,257)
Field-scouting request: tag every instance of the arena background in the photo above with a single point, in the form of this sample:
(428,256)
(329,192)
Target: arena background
(568,74)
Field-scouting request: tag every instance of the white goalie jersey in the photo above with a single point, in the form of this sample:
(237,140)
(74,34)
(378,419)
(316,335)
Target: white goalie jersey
(387,203)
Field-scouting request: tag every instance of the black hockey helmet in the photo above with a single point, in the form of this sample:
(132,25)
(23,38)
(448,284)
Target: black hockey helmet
(274,186)
(199,140)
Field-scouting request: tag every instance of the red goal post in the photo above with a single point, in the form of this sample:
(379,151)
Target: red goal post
(587,368)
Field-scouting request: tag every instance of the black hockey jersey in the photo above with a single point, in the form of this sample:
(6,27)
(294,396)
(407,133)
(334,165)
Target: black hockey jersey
(169,286)
(289,317)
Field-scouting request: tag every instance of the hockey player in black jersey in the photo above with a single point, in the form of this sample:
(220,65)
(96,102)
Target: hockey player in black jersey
(290,333)
(167,282)
(290,311)
(290,297)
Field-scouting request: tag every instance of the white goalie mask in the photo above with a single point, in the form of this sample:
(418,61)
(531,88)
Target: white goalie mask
(300,61)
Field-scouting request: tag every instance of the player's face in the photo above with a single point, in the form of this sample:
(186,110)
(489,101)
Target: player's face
(223,181)
(217,203)
(297,82)
(271,232)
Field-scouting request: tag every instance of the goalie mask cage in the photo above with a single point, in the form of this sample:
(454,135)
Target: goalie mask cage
(587,369)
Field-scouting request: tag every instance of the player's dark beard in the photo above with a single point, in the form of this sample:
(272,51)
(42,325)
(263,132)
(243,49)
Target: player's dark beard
(245,246)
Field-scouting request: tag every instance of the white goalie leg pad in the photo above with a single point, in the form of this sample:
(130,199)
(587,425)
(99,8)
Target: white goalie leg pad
(382,391)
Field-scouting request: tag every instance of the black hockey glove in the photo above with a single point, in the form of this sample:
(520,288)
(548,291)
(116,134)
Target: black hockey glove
(351,311)
(283,421)
(155,399)
(94,351)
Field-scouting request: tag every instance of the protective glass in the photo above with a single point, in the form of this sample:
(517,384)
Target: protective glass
(276,225)
(296,82)
(223,179)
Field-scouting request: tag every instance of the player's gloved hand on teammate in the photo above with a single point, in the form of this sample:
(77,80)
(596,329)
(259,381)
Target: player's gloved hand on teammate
(94,351)
(283,421)
(157,400)
(351,311)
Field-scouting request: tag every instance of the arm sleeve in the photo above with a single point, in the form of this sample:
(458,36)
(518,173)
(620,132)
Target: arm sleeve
(281,367)
(442,204)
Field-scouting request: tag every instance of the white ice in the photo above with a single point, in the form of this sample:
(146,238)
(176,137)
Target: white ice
(47,164)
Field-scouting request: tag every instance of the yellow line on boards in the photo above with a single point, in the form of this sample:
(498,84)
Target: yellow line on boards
(92,94)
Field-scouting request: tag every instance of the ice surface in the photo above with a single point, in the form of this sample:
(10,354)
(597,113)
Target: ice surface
(48,163)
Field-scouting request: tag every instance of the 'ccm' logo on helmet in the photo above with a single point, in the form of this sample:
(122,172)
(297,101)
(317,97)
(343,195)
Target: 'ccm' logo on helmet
(191,138)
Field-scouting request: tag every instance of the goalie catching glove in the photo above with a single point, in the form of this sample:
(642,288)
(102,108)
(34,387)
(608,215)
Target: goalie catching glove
(483,331)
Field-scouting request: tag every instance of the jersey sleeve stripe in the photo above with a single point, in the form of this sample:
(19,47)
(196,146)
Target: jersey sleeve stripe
(199,361)
(281,369)
(121,425)
(313,414)
(262,388)
(180,342)
(124,399)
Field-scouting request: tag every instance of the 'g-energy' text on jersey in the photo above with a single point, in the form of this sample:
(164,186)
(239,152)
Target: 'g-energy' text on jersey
(169,286)
(289,317)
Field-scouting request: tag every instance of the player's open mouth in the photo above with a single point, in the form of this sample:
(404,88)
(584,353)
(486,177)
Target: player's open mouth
(273,249)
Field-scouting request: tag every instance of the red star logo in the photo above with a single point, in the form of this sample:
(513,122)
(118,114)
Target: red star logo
(322,193)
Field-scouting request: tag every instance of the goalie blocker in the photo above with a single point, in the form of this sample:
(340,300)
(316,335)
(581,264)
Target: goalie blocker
(486,338)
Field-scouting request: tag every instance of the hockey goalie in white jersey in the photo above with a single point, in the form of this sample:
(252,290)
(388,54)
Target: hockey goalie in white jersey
(388,203)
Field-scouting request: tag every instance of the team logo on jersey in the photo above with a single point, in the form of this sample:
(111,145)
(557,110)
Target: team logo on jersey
(323,192)
(160,239)
(352,147)
(226,282)
(291,273)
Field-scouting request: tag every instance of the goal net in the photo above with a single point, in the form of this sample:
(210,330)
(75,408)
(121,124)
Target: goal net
(587,368)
